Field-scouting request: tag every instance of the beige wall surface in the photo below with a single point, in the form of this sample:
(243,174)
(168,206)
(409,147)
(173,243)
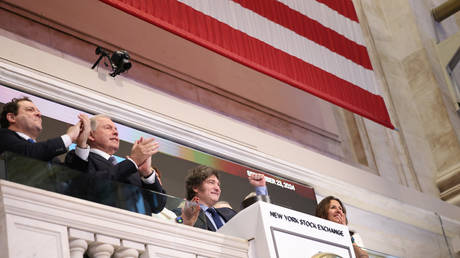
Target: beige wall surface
(402,41)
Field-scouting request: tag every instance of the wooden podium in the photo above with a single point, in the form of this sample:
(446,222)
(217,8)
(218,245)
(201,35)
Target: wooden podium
(274,231)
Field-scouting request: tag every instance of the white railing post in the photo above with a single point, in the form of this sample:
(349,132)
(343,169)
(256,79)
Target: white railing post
(103,247)
(129,249)
(100,250)
(77,248)
(78,242)
(124,252)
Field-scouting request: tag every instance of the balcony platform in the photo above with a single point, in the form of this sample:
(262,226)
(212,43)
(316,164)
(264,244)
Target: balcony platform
(39,223)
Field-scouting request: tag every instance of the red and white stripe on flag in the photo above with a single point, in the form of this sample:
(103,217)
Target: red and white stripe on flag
(314,45)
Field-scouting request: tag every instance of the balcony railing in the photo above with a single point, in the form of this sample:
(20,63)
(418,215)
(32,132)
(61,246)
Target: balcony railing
(49,210)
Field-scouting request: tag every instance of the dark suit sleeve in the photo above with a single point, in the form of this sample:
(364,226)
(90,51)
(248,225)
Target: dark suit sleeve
(46,150)
(74,162)
(156,201)
(226,213)
(155,186)
(203,221)
(125,172)
(98,167)
(119,172)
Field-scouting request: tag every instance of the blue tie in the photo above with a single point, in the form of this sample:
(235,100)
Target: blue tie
(113,160)
(215,217)
(140,200)
(31,140)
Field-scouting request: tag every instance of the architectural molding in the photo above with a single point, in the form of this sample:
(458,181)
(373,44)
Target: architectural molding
(445,50)
(314,136)
(448,182)
(401,204)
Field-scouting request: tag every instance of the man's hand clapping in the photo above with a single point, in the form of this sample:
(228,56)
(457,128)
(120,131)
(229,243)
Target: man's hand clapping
(145,169)
(85,129)
(143,149)
(74,131)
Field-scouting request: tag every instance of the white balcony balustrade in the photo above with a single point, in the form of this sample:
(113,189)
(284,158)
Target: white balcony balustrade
(39,223)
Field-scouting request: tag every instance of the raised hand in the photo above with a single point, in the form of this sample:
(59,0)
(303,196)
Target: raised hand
(74,131)
(145,169)
(143,149)
(342,219)
(85,129)
(257,179)
(191,211)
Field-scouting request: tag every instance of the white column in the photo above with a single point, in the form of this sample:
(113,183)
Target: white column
(124,252)
(78,242)
(100,250)
(103,247)
(129,249)
(77,248)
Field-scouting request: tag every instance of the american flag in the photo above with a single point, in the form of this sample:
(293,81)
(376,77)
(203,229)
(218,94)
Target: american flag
(314,45)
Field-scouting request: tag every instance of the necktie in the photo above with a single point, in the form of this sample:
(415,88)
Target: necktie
(215,217)
(31,140)
(134,201)
(113,160)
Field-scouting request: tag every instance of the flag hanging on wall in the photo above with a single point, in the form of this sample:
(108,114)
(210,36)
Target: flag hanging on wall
(314,45)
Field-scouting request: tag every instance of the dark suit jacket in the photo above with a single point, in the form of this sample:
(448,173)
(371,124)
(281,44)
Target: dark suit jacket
(46,151)
(95,184)
(203,220)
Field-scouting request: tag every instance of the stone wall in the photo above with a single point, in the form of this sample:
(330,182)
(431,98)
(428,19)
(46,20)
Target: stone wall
(402,38)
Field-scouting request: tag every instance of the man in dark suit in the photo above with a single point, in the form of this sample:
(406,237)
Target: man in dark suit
(203,187)
(21,123)
(94,157)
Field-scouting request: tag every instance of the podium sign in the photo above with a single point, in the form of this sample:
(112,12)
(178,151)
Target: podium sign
(274,231)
